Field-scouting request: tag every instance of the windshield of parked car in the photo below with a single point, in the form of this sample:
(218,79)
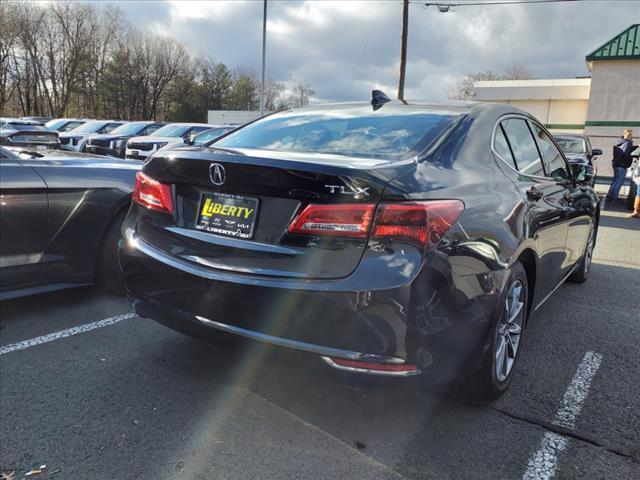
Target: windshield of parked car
(572,144)
(171,130)
(129,128)
(353,132)
(209,135)
(89,127)
(55,124)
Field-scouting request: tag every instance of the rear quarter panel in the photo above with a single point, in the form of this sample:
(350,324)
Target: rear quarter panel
(85,195)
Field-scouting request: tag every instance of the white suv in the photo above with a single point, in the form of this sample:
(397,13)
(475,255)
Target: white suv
(139,148)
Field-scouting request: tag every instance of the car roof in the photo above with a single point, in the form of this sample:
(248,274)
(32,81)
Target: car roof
(189,124)
(19,121)
(396,106)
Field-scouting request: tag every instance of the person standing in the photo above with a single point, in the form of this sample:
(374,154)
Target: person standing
(621,161)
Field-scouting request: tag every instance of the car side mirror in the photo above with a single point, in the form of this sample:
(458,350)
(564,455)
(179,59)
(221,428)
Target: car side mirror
(189,139)
(596,151)
(583,173)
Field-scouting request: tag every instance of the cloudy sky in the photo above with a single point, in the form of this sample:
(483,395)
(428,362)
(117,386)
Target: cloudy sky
(343,49)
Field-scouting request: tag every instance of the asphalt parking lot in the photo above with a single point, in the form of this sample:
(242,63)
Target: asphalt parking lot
(129,399)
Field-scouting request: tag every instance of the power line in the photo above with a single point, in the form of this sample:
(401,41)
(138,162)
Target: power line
(462,3)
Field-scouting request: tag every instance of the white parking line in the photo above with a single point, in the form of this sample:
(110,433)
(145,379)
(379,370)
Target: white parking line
(87,327)
(543,464)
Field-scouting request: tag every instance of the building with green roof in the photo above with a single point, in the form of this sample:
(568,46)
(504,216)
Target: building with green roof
(601,106)
(614,99)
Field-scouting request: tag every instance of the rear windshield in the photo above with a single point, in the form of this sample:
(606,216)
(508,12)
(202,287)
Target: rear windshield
(571,144)
(388,136)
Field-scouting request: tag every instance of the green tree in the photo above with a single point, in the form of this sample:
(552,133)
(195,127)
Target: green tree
(244,93)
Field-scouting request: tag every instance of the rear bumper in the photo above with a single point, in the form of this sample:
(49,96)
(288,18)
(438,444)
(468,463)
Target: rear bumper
(389,326)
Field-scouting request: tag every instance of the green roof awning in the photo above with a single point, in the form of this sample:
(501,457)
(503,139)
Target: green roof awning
(625,45)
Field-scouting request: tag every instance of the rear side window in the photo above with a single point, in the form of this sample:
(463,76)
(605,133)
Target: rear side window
(523,146)
(555,163)
(501,146)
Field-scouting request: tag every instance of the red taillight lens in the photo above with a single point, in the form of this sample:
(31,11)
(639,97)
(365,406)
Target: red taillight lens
(347,220)
(152,194)
(376,367)
(422,223)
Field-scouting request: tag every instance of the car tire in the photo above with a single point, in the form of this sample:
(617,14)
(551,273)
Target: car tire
(584,265)
(108,273)
(500,358)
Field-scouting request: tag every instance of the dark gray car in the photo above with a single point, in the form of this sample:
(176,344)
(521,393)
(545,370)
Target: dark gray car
(59,219)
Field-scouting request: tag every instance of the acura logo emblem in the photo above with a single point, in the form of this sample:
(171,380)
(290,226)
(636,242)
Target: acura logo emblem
(217,174)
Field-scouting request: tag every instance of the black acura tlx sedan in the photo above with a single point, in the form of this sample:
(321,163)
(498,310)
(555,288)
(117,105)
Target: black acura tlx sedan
(387,238)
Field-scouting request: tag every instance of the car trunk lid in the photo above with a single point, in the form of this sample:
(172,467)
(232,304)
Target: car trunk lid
(264,192)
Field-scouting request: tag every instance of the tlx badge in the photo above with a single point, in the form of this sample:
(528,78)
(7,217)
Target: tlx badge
(357,192)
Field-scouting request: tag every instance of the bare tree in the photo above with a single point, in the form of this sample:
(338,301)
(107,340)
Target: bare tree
(517,72)
(301,94)
(463,90)
(9,33)
(272,93)
(168,59)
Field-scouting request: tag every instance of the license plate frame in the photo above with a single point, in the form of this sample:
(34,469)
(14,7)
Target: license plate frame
(240,223)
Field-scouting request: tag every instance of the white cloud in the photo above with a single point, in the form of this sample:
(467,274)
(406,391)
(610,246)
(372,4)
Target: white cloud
(344,49)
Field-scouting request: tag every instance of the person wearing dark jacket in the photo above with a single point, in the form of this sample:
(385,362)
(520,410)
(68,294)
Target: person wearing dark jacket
(621,161)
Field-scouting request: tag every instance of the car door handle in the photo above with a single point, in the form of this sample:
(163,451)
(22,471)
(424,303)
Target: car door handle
(534,194)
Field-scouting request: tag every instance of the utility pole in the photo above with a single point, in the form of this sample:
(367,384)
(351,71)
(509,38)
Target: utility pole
(264,50)
(403,47)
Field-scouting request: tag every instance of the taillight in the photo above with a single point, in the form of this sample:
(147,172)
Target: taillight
(152,194)
(347,220)
(421,223)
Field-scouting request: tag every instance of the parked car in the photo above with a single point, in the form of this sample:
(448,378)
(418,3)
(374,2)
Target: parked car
(27,134)
(139,148)
(60,217)
(211,134)
(391,239)
(65,124)
(115,142)
(578,150)
(204,137)
(76,140)
(39,120)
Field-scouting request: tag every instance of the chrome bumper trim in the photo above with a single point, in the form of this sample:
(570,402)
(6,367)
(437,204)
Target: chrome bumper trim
(298,345)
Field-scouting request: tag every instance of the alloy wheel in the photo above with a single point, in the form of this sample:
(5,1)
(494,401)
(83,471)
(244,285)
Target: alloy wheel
(510,331)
